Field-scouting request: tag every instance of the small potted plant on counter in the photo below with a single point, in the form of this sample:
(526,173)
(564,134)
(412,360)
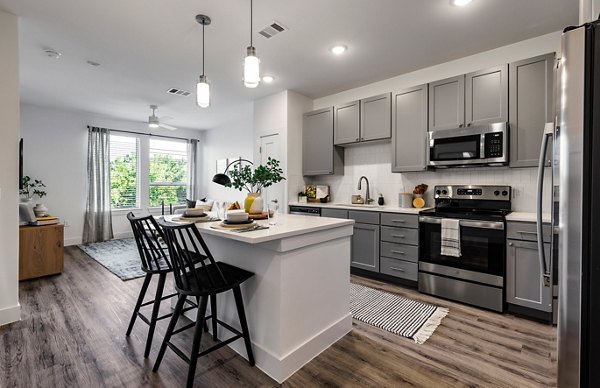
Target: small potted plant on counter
(302,197)
(253,181)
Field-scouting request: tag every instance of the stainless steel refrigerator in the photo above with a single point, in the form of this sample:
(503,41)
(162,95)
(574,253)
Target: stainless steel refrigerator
(576,189)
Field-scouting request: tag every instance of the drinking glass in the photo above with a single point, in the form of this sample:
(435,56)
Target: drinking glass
(221,208)
(272,211)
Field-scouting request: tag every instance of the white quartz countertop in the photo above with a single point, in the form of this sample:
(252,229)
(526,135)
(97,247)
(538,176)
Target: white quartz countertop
(372,208)
(288,225)
(527,217)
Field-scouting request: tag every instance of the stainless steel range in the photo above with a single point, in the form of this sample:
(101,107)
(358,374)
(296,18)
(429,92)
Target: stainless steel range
(476,276)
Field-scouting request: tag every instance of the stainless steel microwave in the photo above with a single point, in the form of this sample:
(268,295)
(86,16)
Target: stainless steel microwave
(471,146)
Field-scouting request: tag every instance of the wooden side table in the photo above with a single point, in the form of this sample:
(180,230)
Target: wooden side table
(41,250)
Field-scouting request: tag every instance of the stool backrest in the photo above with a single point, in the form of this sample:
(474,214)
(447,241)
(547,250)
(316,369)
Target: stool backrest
(148,236)
(188,251)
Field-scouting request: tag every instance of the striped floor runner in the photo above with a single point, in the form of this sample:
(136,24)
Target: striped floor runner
(395,314)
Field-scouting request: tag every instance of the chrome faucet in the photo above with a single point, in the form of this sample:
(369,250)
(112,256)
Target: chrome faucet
(368,198)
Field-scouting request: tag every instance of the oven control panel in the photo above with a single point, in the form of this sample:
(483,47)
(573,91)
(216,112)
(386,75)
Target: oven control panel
(494,193)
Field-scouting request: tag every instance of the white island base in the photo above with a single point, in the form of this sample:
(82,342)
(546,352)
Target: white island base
(297,302)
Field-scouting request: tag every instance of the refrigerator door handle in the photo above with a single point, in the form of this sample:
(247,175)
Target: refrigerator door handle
(548,130)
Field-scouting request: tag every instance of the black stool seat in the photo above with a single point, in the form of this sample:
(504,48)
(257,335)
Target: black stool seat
(202,279)
(232,277)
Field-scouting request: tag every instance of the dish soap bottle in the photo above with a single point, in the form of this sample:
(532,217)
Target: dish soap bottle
(380,200)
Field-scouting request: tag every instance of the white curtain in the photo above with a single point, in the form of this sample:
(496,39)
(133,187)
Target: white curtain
(193,169)
(98,218)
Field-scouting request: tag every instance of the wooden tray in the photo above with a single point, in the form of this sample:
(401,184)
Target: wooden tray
(259,216)
(223,226)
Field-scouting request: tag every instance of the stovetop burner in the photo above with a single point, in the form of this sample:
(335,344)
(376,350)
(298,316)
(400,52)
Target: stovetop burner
(486,203)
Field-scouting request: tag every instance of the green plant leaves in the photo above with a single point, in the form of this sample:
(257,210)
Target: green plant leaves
(254,181)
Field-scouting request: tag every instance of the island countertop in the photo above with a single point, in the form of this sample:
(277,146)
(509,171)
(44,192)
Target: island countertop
(288,225)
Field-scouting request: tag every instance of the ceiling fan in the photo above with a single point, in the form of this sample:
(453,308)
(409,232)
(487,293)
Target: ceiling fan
(155,122)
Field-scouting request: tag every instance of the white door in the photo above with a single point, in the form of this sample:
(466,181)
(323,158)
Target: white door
(270,147)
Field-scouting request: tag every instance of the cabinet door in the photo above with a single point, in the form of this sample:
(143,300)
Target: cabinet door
(531,107)
(347,123)
(524,282)
(41,251)
(486,96)
(409,137)
(365,247)
(447,103)
(376,117)
(334,213)
(319,156)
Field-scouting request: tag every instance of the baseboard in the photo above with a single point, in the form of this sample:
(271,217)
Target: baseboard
(10,314)
(123,235)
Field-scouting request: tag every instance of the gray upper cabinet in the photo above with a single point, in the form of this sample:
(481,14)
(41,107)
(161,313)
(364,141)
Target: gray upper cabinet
(409,135)
(376,117)
(347,123)
(364,120)
(319,156)
(486,96)
(531,106)
(447,103)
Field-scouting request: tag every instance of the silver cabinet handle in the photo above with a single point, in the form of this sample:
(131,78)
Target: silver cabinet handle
(399,252)
(398,235)
(511,244)
(468,125)
(358,139)
(397,269)
(460,125)
(526,232)
(400,221)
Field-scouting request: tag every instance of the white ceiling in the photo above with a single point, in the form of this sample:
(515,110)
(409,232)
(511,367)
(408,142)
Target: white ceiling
(148,46)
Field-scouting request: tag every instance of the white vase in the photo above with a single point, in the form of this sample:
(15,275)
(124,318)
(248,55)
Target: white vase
(256,203)
(40,210)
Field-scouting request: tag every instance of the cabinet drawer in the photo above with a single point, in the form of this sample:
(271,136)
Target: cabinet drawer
(334,213)
(364,217)
(400,235)
(399,268)
(527,231)
(400,251)
(401,220)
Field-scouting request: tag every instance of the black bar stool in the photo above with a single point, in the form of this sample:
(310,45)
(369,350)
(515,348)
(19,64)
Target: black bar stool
(203,281)
(148,236)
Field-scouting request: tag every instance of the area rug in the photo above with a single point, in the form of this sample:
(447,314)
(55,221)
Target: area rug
(120,257)
(401,316)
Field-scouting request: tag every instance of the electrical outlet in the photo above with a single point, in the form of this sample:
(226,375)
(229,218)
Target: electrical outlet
(516,192)
(67,223)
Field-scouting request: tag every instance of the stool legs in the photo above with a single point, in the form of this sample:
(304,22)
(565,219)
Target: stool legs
(139,302)
(197,338)
(169,333)
(239,303)
(155,309)
(213,313)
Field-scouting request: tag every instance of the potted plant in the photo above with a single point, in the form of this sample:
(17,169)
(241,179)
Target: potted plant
(31,188)
(302,197)
(254,181)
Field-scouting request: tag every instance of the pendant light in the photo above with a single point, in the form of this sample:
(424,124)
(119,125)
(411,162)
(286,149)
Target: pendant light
(251,62)
(203,86)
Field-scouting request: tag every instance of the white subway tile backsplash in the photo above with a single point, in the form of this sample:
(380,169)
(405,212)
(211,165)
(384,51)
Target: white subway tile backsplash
(373,161)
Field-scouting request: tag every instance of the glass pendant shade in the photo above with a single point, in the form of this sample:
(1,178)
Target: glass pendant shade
(203,92)
(251,68)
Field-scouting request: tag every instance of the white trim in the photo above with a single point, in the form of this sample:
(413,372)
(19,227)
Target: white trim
(10,314)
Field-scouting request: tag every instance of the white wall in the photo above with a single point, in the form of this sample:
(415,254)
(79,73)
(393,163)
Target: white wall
(296,107)
(374,161)
(55,151)
(233,139)
(9,177)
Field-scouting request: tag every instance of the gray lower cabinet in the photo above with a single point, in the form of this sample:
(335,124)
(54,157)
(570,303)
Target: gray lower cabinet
(334,213)
(409,134)
(447,103)
(531,106)
(399,250)
(319,155)
(365,247)
(364,120)
(486,96)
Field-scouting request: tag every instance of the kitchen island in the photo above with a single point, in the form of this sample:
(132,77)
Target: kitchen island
(297,302)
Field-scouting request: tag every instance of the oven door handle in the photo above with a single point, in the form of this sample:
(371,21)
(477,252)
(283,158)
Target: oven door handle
(467,223)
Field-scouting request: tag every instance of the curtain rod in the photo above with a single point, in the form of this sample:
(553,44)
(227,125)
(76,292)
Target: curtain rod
(149,134)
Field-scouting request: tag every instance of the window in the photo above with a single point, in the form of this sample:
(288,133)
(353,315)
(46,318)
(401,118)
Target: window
(124,172)
(147,171)
(168,172)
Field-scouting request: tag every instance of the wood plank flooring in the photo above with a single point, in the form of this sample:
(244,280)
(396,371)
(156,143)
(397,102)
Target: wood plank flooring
(73,326)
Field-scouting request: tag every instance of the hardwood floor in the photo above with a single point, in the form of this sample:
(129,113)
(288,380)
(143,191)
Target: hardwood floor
(73,326)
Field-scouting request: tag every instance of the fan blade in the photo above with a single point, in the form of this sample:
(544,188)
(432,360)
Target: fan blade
(167,126)
(166,118)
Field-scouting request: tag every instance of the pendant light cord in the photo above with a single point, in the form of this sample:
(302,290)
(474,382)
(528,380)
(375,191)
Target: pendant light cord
(251,23)
(203,48)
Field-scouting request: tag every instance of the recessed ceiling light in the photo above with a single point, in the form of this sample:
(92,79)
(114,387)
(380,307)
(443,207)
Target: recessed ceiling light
(460,3)
(339,50)
(268,79)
